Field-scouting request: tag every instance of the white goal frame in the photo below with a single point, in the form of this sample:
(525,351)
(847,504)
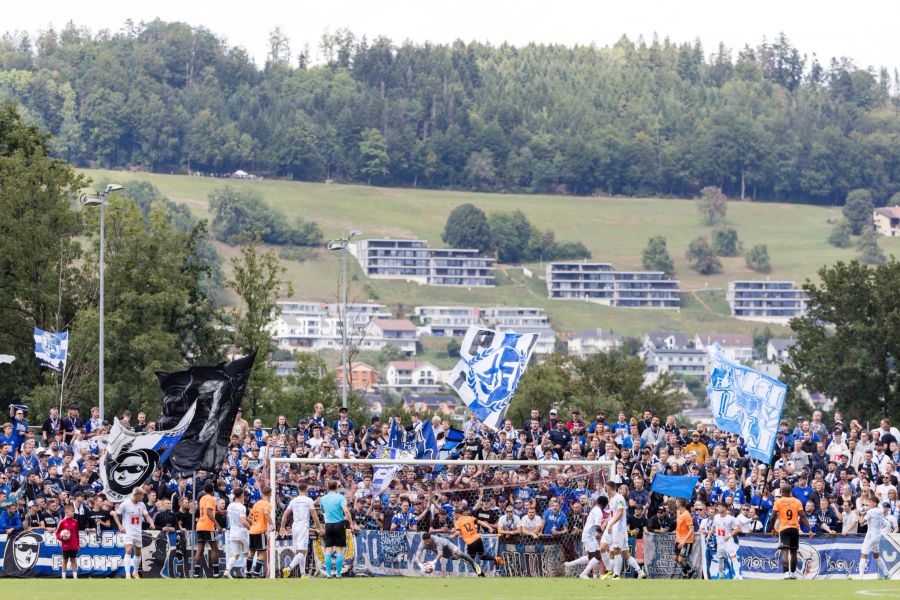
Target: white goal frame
(609,465)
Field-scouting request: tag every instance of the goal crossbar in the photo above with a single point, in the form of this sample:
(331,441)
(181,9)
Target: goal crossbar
(411,462)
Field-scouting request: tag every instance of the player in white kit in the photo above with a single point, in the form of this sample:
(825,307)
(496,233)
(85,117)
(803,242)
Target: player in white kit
(301,508)
(725,527)
(615,535)
(872,542)
(129,517)
(593,528)
(238,533)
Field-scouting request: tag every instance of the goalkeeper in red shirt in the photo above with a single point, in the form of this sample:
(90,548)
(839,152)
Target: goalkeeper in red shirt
(67,534)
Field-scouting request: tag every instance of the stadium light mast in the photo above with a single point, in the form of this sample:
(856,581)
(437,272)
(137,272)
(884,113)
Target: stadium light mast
(100,199)
(340,245)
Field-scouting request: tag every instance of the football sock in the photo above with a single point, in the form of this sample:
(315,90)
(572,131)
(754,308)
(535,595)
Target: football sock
(127,566)
(63,573)
(298,559)
(592,563)
(328,559)
(197,569)
(863,565)
(634,564)
(882,566)
(253,565)
(74,573)
(340,563)
(607,562)
(583,560)
(617,565)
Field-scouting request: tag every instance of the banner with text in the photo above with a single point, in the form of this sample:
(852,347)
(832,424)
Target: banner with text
(818,558)
(659,556)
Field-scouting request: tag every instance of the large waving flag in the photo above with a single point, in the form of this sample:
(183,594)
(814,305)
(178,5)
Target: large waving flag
(489,368)
(426,444)
(217,392)
(384,474)
(131,458)
(745,402)
(51,349)
(677,486)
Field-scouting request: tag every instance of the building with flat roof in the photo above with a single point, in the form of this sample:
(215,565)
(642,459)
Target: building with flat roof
(447,321)
(599,282)
(413,260)
(767,301)
(592,341)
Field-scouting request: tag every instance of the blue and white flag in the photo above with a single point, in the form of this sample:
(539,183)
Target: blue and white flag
(490,366)
(384,474)
(131,457)
(426,444)
(745,402)
(51,349)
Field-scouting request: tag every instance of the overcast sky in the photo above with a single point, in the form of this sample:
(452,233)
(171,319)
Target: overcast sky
(864,30)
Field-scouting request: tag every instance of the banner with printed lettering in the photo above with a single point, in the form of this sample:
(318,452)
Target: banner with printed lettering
(379,553)
(659,556)
(491,363)
(37,553)
(745,402)
(818,558)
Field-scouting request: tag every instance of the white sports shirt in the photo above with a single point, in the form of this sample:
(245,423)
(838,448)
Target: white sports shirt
(132,515)
(592,523)
(618,502)
(236,510)
(301,506)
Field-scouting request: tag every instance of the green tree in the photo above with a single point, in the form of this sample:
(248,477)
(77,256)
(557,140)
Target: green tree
(257,281)
(702,258)
(510,235)
(241,213)
(848,341)
(761,339)
(542,387)
(467,227)
(373,150)
(725,241)
(655,256)
(41,283)
(869,250)
(712,205)
(840,235)
(758,259)
(480,169)
(858,209)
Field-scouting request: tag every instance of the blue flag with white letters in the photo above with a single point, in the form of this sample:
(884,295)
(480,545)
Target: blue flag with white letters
(491,363)
(745,402)
(426,444)
(51,349)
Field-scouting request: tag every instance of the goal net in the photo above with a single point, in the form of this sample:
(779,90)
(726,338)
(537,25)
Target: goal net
(529,514)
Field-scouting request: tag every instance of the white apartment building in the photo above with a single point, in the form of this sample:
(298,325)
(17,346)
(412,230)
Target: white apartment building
(592,341)
(766,301)
(736,347)
(447,321)
(413,260)
(599,282)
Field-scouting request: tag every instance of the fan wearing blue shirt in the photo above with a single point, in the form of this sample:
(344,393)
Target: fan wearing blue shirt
(555,521)
(802,491)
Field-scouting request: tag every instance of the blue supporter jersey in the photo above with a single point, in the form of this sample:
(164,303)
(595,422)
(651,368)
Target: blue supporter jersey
(554,521)
(404,521)
(333,505)
(802,493)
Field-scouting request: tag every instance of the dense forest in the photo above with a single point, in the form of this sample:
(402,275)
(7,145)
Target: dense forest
(639,117)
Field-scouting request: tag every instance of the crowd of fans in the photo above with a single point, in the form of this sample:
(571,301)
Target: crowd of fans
(830,466)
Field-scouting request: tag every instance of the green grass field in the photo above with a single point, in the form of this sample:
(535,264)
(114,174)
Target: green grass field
(614,229)
(443,589)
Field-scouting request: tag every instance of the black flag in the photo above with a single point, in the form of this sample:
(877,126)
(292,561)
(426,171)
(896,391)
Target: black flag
(218,391)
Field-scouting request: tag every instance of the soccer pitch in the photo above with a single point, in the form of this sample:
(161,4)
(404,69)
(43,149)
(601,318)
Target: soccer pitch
(441,588)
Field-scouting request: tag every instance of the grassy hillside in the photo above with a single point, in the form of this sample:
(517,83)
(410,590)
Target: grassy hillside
(614,229)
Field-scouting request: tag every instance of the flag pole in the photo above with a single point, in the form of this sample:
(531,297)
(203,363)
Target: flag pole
(194,519)
(62,385)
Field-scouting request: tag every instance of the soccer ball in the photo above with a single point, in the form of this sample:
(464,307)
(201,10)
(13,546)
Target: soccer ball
(65,534)
(428,567)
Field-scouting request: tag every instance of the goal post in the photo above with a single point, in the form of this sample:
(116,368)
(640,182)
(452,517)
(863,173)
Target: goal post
(436,491)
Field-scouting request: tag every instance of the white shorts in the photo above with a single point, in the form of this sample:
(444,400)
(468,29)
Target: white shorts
(730,547)
(616,539)
(240,542)
(300,536)
(870,545)
(590,544)
(133,538)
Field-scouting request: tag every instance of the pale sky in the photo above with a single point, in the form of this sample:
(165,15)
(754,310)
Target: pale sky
(864,30)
